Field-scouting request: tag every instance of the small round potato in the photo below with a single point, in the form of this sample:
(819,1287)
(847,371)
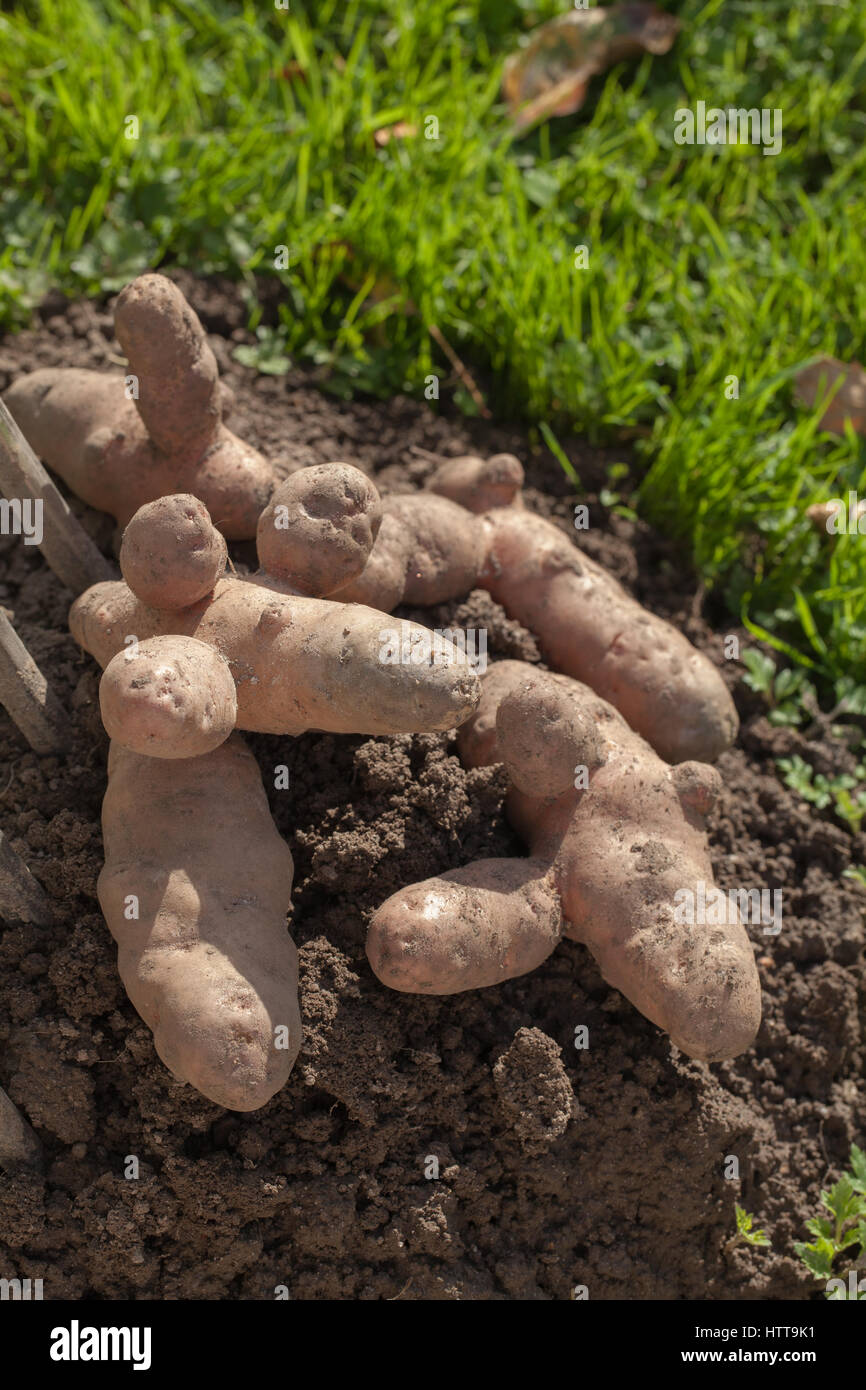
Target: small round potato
(480,484)
(172,554)
(168,697)
(318,530)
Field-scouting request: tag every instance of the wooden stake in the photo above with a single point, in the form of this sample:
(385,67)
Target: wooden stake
(22,899)
(65,544)
(19,1146)
(26,696)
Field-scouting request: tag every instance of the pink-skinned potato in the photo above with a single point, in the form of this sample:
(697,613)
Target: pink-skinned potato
(617,846)
(171,554)
(119,440)
(469,529)
(471,927)
(428,550)
(298,663)
(195,890)
(168,697)
(591,629)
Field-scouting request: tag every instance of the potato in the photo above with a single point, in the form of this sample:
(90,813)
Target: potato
(195,891)
(469,928)
(616,838)
(469,530)
(590,628)
(319,527)
(298,662)
(168,697)
(171,554)
(121,441)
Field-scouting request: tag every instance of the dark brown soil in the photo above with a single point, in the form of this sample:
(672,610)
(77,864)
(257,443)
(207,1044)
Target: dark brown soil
(556,1167)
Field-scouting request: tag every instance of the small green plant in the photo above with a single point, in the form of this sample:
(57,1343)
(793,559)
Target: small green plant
(843,1230)
(268,355)
(610,496)
(849,808)
(790,695)
(857,872)
(745,1234)
(821,791)
(793,701)
(793,698)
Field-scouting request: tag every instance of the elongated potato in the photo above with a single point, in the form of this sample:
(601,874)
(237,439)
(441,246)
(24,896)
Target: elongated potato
(195,891)
(469,529)
(298,663)
(590,628)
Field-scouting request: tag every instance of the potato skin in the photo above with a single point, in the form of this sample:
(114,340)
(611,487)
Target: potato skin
(628,852)
(479,484)
(298,663)
(168,697)
(319,527)
(382,581)
(171,554)
(590,629)
(118,453)
(428,550)
(208,963)
(613,850)
(178,378)
(472,927)
(444,555)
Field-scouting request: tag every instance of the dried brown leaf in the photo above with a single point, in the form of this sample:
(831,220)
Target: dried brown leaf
(549,77)
(849,402)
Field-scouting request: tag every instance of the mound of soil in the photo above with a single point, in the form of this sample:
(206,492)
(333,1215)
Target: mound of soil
(460,1148)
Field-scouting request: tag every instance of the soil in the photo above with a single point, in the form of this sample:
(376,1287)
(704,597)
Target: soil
(607,1167)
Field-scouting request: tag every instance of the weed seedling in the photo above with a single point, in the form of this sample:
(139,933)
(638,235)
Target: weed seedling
(745,1235)
(844,1229)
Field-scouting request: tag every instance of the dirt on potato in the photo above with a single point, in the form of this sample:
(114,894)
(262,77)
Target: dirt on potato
(457,1148)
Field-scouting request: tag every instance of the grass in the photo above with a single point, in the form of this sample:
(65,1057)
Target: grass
(256,131)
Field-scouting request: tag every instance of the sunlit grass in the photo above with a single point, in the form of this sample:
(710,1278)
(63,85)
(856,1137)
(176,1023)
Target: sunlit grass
(256,131)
